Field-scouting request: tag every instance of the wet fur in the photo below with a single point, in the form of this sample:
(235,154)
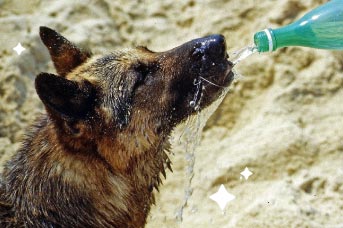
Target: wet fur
(94,159)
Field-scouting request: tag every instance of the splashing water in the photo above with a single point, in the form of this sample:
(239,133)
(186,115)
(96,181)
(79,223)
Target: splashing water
(243,53)
(188,136)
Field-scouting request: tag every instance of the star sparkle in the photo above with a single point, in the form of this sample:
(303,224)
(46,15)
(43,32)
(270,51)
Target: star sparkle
(246,173)
(19,49)
(222,197)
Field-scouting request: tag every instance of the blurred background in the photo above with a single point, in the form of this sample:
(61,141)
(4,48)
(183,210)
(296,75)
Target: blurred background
(282,118)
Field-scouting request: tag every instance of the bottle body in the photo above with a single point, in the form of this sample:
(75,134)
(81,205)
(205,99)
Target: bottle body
(321,28)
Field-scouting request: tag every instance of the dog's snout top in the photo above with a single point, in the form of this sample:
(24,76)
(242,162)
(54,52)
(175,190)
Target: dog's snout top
(213,46)
(216,45)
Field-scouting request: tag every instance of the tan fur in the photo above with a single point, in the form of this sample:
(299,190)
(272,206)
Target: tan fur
(95,157)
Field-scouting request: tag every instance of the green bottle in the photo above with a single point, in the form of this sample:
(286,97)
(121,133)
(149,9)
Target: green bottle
(320,28)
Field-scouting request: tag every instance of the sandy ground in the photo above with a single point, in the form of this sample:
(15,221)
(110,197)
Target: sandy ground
(283,118)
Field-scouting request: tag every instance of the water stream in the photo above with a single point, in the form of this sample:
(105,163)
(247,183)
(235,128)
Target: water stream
(189,137)
(243,53)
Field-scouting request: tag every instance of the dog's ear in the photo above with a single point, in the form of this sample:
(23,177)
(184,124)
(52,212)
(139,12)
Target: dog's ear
(65,55)
(69,100)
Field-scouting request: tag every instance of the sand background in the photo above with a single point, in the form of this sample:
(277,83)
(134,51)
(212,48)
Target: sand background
(283,118)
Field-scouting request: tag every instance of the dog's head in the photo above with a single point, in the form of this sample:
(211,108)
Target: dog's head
(132,87)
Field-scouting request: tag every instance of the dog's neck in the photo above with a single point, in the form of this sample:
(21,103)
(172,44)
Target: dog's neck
(118,177)
(139,153)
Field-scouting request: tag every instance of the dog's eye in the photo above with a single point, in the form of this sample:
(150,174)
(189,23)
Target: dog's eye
(142,72)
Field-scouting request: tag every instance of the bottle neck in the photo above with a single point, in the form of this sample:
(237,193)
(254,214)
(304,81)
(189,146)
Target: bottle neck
(293,35)
(271,39)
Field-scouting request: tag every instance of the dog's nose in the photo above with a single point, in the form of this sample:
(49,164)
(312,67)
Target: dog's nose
(216,45)
(213,46)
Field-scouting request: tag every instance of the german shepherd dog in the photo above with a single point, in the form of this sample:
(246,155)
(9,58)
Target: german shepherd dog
(95,157)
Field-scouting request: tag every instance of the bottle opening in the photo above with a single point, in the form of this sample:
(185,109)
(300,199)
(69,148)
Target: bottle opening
(264,41)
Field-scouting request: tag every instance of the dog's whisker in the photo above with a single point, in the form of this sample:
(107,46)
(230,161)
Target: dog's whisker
(212,83)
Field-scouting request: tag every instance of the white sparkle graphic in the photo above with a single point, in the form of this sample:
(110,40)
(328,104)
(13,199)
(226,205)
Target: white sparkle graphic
(222,197)
(246,173)
(19,49)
